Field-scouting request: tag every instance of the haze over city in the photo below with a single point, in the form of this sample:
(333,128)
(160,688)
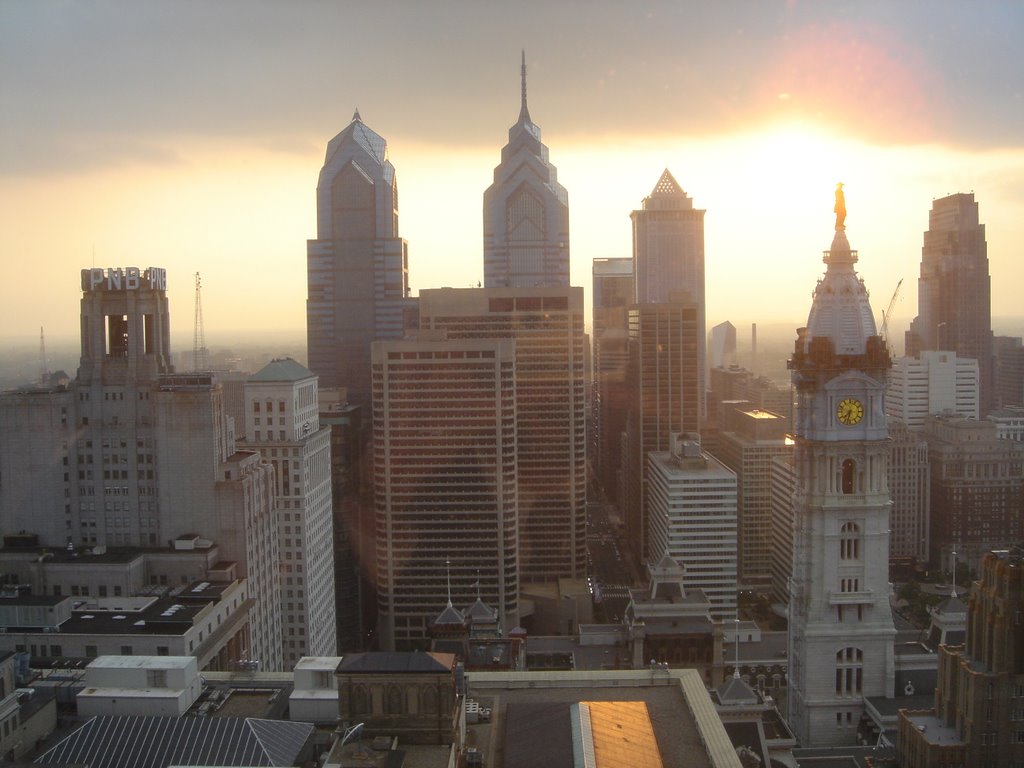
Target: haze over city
(189,136)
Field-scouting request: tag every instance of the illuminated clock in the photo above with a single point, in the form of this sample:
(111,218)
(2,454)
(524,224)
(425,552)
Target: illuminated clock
(850,411)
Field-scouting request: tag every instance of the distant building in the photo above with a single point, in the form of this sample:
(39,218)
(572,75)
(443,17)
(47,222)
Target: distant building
(935,382)
(954,293)
(1009,375)
(1009,423)
(668,258)
(976,719)
(910,490)
(723,345)
(526,213)
(546,326)
(664,385)
(358,266)
(977,489)
(131,454)
(749,441)
(692,518)
(283,419)
(446,495)
(613,295)
(783,486)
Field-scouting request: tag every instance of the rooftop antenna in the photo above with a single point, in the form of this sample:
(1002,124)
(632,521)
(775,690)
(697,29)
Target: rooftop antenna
(199,361)
(736,645)
(448,571)
(524,113)
(954,573)
(44,370)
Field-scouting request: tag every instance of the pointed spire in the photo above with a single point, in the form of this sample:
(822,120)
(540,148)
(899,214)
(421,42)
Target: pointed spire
(524,113)
(448,572)
(355,116)
(954,573)
(736,645)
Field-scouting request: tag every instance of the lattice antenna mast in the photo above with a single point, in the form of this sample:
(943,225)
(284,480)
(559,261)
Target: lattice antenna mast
(199,362)
(44,370)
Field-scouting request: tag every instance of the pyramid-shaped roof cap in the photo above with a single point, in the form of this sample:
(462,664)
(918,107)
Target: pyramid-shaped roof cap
(450,616)
(667,186)
(480,610)
(735,691)
(282,369)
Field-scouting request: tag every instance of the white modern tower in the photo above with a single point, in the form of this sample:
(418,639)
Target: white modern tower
(526,212)
(841,629)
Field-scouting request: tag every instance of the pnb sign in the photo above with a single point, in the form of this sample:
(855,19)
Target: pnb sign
(126,279)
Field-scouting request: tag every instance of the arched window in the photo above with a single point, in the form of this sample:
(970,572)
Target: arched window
(430,700)
(849,542)
(849,473)
(359,701)
(849,672)
(394,700)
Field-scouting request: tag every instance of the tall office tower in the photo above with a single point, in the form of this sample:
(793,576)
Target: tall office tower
(352,501)
(909,489)
(840,623)
(1009,375)
(546,325)
(977,489)
(613,295)
(723,345)
(445,467)
(668,257)
(130,454)
(663,382)
(693,519)
(977,713)
(282,412)
(526,212)
(358,266)
(783,474)
(954,295)
(935,382)
(749,441)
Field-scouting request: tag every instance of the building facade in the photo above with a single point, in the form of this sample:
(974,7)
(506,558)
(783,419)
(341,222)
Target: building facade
(1009,371)
(954,292)
(693,519)
(358,266)
(526,212)
(783,480)
(933,382)
(546,325)
(840,623)
(910,489)
(446,496)
(283,418)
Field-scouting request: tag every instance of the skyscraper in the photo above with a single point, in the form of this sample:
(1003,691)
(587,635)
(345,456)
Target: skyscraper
(934,382)
(357,268)
(283,420)
(954,293)
(668,256)
(526,212)
(613,295)
(546,325)
(840,622)
(446,497)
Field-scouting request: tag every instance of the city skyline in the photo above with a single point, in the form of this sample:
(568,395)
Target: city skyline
(192,139)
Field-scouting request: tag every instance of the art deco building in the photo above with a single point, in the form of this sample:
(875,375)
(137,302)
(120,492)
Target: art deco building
(692,507)
(526,212)
(977,489)
(445,468)
(934,382)
(668,256)
(546,326)
(663,384)
(132,455)
(977,716)
(282,412)
(357,267)
(840,623)
(954,294)
(750,440)
(613,295)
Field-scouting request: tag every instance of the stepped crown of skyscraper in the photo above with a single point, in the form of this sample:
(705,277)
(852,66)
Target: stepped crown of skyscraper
(374,146)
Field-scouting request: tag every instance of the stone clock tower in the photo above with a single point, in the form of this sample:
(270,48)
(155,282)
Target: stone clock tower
(840,624)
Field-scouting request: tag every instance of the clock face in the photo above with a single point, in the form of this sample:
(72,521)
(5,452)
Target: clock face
(850,411)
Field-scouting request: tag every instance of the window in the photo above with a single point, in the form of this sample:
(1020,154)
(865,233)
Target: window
(90,651)
(126,650)
(849,542)
(849,671)
(163,650)
(849,471)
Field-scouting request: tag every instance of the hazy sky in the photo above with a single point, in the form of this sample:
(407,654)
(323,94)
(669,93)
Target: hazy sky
(189,135)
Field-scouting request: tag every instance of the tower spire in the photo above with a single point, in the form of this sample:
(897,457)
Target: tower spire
(524,113)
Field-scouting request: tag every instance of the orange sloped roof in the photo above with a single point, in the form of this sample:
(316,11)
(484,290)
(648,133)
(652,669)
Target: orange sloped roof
(623,735)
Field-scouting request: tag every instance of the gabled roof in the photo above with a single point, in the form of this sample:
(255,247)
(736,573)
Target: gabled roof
(735,691)
(480,610)
(397,662)
(667,186)
(156,742)
(450,616)
(282,369)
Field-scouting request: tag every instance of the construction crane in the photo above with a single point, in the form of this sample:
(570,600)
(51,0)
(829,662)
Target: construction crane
(884,331)
(199,361)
